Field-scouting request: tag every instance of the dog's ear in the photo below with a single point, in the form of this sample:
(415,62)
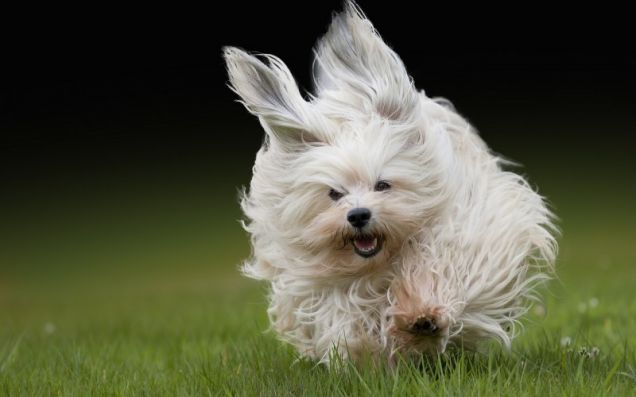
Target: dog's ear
(269,91)
(352,57)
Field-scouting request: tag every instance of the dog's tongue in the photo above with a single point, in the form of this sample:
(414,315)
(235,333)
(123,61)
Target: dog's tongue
(365,243)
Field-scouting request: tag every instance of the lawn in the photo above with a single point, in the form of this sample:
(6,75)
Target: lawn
(110,295)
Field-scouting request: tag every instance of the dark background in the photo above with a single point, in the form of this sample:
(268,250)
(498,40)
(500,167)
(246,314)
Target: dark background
(120,139)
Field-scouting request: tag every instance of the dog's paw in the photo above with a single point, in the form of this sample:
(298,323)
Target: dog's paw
(427,322)
(425,326)
(424,330)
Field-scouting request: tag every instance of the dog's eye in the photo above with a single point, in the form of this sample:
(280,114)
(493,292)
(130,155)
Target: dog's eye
(335,195)
(381,186)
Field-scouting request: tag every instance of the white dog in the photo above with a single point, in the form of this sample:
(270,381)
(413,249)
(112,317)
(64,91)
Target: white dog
(379,216)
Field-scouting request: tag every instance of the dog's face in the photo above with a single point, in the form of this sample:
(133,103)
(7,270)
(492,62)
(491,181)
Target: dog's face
(361,194)
(351,174)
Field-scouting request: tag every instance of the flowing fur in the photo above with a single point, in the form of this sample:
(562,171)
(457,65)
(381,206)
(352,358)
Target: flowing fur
(464,242)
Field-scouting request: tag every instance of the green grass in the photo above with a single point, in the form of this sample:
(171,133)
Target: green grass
(149,302)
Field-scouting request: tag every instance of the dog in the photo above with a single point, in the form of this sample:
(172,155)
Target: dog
(381,220)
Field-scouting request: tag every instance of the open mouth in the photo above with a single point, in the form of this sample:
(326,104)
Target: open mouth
(366,245)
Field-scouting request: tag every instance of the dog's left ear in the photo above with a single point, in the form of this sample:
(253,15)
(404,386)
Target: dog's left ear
(352,57)
(270,92)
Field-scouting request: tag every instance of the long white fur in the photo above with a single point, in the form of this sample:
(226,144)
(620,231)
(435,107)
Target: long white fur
(462,235)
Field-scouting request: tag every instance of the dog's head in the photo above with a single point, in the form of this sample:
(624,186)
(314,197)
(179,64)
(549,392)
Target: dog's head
(354,171)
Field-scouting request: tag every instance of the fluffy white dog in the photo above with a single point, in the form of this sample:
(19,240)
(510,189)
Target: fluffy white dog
(381,219)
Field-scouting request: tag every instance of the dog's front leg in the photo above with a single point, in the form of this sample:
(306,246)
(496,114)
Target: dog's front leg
(420,314)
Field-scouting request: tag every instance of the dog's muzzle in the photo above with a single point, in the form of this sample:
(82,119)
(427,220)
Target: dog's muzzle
(366,245)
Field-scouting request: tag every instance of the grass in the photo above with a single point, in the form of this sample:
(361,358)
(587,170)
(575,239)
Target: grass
(150,303)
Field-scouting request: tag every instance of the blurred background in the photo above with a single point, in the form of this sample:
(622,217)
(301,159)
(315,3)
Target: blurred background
(122,149)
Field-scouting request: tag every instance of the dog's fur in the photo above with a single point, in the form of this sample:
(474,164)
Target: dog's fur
(462,243)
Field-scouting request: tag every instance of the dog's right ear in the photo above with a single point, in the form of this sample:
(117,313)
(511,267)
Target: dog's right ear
(269,92)
(352,57)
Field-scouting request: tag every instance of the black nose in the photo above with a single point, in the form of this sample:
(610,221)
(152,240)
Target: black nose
(358,217)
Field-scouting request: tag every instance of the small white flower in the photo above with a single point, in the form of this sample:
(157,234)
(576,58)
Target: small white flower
(49,328)
(593,303)
(594,352)
(566,341)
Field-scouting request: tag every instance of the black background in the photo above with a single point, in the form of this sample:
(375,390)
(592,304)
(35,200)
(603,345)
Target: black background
(92,94)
